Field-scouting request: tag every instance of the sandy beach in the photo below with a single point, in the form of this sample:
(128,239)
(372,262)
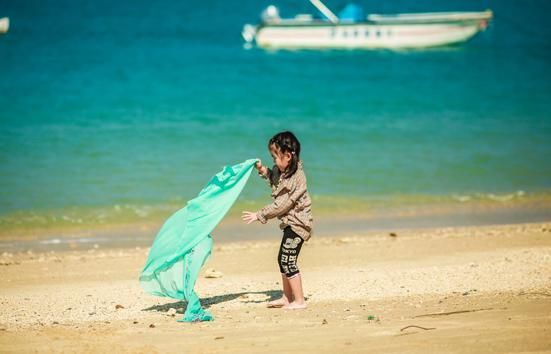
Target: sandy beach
(463,289)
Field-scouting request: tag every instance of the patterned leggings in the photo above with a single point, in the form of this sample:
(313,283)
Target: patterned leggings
(288,252)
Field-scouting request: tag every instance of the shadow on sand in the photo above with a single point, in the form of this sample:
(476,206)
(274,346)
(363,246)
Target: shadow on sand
(180,306)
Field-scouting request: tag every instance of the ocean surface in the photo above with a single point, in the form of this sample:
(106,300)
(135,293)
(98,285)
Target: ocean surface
(123,110)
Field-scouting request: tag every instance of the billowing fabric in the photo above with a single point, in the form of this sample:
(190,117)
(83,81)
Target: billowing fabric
(184,243)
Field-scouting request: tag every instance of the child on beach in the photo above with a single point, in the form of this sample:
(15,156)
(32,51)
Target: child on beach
(291,205)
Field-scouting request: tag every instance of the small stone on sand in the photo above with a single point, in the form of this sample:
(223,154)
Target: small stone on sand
(213,273)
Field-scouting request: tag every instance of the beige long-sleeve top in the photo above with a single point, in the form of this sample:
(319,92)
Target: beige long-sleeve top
(292,203)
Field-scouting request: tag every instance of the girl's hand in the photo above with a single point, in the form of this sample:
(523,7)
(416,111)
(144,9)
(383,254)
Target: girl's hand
(263,170)
(249,217)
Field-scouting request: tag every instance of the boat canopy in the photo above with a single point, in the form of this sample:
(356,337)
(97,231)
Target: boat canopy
(352,13)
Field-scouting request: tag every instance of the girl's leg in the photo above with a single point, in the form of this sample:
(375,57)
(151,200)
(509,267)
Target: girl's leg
(287,291)
(298,302)
(287,295)
(289,250)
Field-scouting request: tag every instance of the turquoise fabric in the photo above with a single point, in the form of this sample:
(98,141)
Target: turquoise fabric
(184,243)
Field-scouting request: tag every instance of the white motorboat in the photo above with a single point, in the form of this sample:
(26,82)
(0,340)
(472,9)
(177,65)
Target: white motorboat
(4,24)
(352,29)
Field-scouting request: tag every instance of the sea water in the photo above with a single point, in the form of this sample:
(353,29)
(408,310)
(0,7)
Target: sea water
(122,111)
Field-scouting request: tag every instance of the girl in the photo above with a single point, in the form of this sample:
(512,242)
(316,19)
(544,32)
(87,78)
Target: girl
(291,205)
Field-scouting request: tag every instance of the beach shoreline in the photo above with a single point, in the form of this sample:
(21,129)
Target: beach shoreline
(232,231)
(24,235)
(481,289)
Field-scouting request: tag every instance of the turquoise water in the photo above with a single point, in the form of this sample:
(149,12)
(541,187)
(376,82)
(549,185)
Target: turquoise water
(108,104)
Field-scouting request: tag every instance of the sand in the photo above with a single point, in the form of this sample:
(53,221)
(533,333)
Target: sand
(465,289)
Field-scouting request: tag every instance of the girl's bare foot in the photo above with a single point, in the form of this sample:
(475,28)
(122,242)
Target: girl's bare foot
(282,302)
(295,306)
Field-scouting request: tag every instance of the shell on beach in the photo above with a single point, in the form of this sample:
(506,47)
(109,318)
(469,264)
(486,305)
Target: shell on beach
(213,273)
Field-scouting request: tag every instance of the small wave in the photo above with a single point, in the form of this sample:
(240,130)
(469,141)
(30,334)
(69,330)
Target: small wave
(490,196)
(54,241)
(462,198)
(85,240)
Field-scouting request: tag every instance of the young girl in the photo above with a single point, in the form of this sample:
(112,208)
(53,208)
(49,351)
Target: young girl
(291,205)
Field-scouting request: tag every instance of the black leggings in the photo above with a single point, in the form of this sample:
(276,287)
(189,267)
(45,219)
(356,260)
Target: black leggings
(288,252)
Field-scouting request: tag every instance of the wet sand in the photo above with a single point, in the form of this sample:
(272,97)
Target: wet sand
(461,289)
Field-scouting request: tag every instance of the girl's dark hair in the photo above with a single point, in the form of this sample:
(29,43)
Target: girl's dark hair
(287,142)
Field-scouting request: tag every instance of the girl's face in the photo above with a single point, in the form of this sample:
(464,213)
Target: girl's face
(281,159)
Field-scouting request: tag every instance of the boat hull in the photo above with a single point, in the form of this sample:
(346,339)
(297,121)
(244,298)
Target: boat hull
(366,35)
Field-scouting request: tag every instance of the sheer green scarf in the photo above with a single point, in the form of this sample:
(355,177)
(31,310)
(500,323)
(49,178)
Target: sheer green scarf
(184,243)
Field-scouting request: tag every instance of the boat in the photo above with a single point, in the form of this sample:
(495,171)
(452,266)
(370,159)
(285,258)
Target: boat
(4,24)
(352,29)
